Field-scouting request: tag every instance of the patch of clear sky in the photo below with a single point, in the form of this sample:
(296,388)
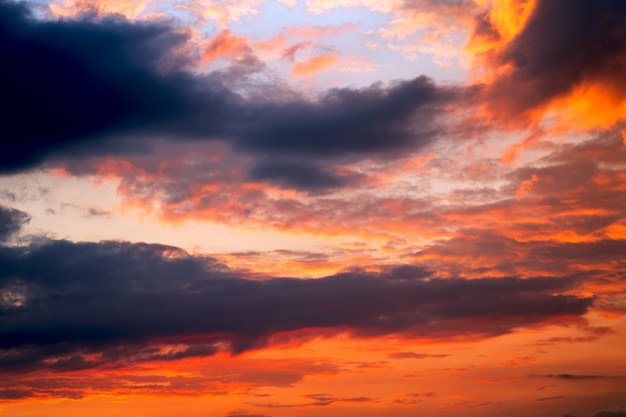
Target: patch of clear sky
(388,64)
(273,17)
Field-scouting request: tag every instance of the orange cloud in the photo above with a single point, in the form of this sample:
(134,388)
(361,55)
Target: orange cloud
(526,187)
(131,9)
(184,378)
(513,44)
(277,42)
(438,29)
(315,65)
(560,219)
(499,24)
(226,45)
(575,198)
(223,13)
(592,104)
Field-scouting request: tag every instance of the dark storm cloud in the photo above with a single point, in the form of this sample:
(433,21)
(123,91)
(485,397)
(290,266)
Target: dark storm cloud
(68,81)
(84,87)
(120,302)
(11,221)
(562,45)
(299,175)
(350,121)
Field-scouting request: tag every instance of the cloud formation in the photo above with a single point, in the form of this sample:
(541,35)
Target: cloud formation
(578,68)
(11,221)
(461,233)
(68,101)
(68,306)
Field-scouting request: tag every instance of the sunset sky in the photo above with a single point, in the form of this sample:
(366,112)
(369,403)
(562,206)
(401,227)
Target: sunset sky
(306,208)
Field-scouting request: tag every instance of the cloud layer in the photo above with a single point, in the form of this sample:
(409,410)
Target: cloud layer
(63,303)
(67,100)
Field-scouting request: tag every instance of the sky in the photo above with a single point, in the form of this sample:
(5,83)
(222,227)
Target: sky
(279,208)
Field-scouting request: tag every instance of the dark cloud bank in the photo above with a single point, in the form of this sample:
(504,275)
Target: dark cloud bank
(562,45)
(72,86)
(85,87)
(121,301)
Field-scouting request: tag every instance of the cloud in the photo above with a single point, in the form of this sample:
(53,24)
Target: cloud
(15,394)
(79,305)
(328,399)
(575,377)
(218,375)
(593,334)
(61,94)
(129,8)
(547,398)
(568,57)
(576,199)
(427,27)
(221,14)
(413,398)
(372,122)
(69,103)
(413,355)
(568,217)
(300,175)
(611,414)
(290,53)
(314,65)
(226,45)
(238,414)
(316,400)
(11,221)
(224,13)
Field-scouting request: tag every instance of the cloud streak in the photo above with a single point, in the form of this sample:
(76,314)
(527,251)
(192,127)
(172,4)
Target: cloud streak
(72,306)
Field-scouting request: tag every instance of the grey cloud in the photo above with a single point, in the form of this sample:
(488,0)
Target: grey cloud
(116,299)
(299,175)
(11,221)
(67,102)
